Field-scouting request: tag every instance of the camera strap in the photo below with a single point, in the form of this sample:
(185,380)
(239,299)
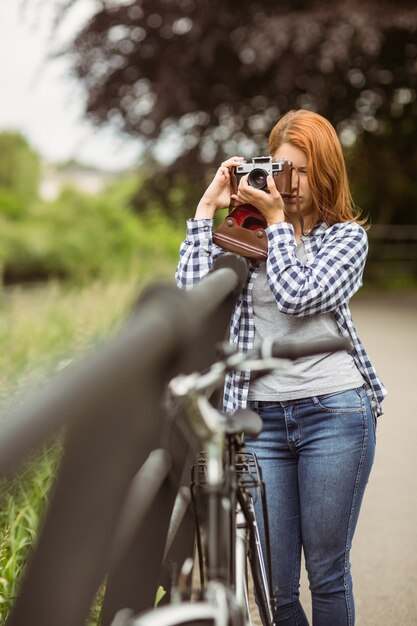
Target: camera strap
(297,200)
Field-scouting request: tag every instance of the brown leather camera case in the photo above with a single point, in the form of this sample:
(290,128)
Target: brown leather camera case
(251,244)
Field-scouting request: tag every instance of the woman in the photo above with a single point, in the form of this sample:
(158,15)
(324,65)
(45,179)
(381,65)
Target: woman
(318,442)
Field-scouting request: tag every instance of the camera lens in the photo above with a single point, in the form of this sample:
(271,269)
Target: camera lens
(257,178)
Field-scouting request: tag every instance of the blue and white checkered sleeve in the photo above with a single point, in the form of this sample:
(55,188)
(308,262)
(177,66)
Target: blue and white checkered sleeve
(197,253)
(325,282)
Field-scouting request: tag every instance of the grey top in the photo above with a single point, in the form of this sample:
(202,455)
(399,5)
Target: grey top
(309,376)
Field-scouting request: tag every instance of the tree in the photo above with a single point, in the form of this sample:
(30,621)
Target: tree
(19,173)
(214,76)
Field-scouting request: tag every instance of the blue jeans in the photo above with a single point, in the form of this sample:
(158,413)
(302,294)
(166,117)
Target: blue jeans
(316,455)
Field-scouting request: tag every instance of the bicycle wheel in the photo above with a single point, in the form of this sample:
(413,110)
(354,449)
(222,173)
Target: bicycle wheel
(220,609)
(249,551)
(241,581)
(184,614)
(260,583)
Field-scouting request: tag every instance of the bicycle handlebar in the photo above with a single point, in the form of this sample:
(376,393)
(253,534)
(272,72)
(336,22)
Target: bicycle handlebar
(294,350)
(269,355)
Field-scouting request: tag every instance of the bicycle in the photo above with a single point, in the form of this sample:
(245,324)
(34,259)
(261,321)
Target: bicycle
(230,481)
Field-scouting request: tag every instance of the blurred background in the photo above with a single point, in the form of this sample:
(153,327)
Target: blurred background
(114,115)
(141,100)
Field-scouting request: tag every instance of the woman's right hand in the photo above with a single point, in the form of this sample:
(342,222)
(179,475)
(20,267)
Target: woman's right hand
(217,194)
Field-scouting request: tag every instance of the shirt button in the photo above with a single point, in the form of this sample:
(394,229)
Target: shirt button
(206,228)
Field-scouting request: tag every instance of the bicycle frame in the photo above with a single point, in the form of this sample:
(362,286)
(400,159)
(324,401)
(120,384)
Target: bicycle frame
(231,522)
(221,476)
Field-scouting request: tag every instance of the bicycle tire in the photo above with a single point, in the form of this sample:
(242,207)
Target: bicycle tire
(260,582)
(186,614)
(219,610)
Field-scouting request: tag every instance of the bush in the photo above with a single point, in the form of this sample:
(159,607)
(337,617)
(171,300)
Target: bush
(75,237)
(19,166)
(82,237)
(11,205)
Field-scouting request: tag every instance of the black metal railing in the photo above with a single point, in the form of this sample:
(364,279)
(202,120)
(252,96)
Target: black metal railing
(392,253)
(124,463)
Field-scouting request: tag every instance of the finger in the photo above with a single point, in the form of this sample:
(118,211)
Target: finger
(243,183)
(272,188)
(233,162)
(222,174)
(238,198)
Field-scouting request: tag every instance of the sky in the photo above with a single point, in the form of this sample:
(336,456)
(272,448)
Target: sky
(40,99)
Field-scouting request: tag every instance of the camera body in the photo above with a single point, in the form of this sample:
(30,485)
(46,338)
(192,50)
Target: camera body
(259,168)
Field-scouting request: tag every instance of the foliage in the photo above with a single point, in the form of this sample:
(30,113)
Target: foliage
(382,169)
(221,66)
(210,78)
(173,192)
(22,506)
(19,173)
(81,237)
(10,204)
(40,330)
(71,238)
(42,327)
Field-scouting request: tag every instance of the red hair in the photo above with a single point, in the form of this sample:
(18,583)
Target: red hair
(326,169)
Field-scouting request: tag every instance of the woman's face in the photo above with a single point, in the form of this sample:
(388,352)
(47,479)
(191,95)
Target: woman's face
(299,159)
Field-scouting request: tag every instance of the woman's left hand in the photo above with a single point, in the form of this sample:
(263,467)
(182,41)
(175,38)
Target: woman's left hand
(271,204)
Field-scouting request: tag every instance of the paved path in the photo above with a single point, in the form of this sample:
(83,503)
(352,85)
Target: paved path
(384,554)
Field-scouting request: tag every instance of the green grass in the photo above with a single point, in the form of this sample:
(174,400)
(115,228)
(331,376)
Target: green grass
(42,326)
(22,504)
(41,329)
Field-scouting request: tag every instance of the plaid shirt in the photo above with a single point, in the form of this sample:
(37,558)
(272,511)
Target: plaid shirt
(336,258)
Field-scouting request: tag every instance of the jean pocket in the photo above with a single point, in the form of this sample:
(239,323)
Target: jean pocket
(350,401)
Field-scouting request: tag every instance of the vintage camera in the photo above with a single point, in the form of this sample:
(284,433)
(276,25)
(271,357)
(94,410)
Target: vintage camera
(259,168)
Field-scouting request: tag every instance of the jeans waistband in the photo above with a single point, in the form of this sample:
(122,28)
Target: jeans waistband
(254,404)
